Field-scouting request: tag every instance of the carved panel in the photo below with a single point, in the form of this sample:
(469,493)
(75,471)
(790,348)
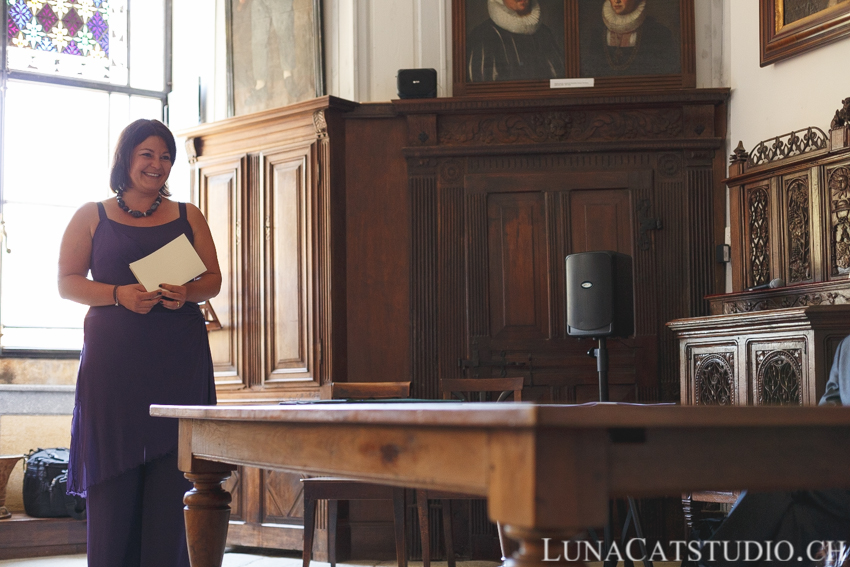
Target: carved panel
(219,190)
(517,265)
(784,301)
(714,379)
(560,126)
(289,314)
(282,501)
(779,377)
(758,203)
(838,182)
(234,486)
(787,145)
(700,222)
(799,237)
(423,291)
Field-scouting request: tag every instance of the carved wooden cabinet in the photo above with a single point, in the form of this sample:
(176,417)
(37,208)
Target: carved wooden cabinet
(790,220)
(501,191)
(774,357)
(269,187)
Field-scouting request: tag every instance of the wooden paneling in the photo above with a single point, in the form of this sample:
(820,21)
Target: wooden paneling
(518,266)
(272,188)
(601,220)
(289,254)
(377,251)
(220,200)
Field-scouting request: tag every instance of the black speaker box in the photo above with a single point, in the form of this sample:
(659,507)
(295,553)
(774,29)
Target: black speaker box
(599,294)
(417,83)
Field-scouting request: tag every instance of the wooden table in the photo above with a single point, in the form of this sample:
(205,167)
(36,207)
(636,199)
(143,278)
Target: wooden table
(546,470)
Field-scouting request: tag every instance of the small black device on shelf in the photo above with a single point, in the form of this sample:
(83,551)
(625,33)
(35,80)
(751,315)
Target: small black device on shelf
(417,83)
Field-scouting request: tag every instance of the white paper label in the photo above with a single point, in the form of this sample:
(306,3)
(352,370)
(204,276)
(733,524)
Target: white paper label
(570,83)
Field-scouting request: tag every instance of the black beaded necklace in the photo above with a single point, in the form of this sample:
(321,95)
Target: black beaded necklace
(123,206)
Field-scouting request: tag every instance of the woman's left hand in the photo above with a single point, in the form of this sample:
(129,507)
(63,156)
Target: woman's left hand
(173,296)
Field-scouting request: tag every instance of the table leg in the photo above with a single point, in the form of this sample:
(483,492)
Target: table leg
(207,513)
(534,551)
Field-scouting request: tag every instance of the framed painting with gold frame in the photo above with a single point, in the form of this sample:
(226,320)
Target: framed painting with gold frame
(790,27)
(510,48)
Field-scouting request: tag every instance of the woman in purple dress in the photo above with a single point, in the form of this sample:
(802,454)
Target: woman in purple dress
(140,348)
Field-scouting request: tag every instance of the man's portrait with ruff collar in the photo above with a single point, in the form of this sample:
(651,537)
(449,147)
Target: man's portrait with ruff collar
(514,40)
(630,37)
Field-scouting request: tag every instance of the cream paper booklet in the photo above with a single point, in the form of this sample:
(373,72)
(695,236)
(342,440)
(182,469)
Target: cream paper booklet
(175,263)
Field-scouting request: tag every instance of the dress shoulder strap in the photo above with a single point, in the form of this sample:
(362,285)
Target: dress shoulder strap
(182,210)
(101,212)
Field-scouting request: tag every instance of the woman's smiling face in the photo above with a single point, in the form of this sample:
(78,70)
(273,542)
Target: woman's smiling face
(151,165)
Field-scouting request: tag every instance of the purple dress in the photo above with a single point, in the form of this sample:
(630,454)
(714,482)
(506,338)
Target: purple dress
(130,361)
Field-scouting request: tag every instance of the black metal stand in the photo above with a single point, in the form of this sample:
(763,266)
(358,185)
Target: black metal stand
(601,355)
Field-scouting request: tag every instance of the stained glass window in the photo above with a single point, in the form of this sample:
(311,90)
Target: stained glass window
(73,38)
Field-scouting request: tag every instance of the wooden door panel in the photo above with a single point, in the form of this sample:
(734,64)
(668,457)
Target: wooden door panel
(531,227)
(220,186)
(601,220)
(778,372)
(289,350)
(282,498)
(518,265)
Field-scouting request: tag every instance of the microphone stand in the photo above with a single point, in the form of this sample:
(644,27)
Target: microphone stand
(601,355)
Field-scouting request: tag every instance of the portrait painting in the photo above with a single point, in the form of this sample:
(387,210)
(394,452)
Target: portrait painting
(630,37)
(514,40)
(520,48)
(275,53)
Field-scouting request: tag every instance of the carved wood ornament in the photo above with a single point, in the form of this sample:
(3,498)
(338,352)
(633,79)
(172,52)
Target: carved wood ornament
(779,377)
(714,379)
(790,216)
(759,236)
(798,231)
(839,193)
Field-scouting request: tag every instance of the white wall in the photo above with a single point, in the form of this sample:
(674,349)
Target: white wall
(368,41)
(789,95)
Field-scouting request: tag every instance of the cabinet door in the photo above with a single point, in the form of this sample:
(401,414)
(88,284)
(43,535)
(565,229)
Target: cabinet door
(778,372)
(219,189)
(515,280)
(289,265)
(712,374)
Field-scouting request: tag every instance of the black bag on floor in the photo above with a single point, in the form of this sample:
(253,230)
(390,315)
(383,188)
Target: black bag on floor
(45,483)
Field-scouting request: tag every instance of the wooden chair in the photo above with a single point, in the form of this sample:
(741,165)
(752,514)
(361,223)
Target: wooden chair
(334,489)
(468,390)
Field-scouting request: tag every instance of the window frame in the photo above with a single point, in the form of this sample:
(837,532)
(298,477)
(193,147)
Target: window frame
(6,75)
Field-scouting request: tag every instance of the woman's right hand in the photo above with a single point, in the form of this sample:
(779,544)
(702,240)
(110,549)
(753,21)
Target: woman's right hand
(136,299)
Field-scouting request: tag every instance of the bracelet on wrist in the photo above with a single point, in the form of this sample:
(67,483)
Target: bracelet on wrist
(115,295)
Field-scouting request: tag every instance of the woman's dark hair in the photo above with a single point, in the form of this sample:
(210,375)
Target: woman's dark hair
(133,135)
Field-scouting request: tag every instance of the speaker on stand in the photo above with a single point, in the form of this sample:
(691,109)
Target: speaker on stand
(600,304)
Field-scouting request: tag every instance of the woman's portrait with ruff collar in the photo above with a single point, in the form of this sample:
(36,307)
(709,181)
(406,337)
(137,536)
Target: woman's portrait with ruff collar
(630,37)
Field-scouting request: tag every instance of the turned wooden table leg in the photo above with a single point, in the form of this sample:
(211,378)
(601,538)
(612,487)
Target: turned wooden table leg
(534,549)
(207,513)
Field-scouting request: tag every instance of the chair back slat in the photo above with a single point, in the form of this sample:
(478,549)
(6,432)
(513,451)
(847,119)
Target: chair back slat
(365,390)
